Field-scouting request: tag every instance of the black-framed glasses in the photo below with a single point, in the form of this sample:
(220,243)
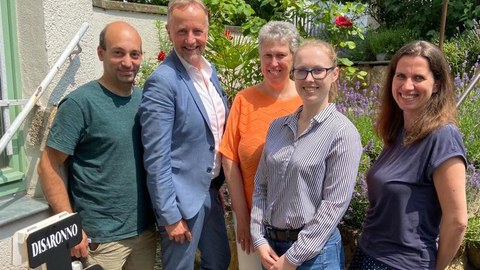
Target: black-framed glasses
(317,73)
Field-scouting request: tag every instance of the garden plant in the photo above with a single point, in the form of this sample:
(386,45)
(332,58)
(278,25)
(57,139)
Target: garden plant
(235,53)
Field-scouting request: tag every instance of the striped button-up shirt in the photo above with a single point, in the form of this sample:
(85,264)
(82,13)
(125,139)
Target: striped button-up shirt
(306,181)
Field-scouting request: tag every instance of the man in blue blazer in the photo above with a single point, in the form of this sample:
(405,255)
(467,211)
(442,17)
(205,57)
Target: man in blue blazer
(183,112)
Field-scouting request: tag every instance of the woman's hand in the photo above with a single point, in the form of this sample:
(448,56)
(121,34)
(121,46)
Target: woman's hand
(243,232)
(267,256)
(282,264)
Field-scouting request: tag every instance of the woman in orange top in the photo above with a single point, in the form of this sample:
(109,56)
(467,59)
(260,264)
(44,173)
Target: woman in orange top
(252,111)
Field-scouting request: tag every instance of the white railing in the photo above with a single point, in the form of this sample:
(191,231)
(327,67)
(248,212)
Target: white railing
(7,136)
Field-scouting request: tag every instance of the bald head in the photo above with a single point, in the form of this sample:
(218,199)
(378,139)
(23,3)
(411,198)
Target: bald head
(120,50)
(115,27)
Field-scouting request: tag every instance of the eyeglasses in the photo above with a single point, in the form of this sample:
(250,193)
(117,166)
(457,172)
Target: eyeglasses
(317,73)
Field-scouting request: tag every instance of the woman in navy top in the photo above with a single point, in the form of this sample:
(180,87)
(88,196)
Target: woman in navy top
(416,188)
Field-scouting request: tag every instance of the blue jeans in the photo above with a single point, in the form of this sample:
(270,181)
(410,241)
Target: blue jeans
(330,258)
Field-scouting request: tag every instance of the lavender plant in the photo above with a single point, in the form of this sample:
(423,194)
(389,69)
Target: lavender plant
(360,106)
(473,191)
(468,112)
(469,123)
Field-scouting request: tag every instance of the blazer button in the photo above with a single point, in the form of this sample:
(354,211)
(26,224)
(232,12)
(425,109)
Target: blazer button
(209,170)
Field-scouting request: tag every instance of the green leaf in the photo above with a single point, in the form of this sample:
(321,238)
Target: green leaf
(345,61)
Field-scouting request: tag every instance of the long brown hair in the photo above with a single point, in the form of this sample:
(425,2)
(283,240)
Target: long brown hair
(440,109)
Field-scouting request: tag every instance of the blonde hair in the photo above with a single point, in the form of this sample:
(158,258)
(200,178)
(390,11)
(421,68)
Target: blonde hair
(328,49)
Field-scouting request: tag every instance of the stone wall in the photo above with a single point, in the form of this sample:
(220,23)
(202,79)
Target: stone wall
(376,71)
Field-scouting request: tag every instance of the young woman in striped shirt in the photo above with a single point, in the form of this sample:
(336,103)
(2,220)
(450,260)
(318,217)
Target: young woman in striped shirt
(307,172)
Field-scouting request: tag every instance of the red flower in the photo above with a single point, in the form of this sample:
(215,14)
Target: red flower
(228,34)
(161,56)
(342,21)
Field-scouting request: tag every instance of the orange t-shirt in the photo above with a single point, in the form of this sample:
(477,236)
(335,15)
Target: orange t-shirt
(247,125)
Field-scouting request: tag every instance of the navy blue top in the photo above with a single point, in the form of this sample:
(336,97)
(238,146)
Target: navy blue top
(402,223)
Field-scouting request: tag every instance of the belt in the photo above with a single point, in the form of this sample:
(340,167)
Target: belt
(276,234)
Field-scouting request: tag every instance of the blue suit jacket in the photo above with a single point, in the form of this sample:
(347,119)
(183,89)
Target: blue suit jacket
(178,143)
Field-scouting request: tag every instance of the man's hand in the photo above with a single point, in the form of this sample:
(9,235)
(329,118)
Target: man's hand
(81,249)
(221,197)
(179,231)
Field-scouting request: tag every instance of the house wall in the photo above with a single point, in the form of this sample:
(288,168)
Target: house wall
(42,37)
(45,28)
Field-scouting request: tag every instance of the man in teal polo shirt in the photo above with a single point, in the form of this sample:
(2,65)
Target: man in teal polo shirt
(96,136)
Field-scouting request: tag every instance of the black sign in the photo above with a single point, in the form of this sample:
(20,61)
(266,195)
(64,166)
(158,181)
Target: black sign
(52,243)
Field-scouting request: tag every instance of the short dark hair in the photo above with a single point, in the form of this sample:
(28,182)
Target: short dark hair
(101,42)
(173,4)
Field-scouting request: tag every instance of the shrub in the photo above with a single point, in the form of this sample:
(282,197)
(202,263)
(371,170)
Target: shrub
(473,191)
(386,40)
(235,56)
(463,52)
(234,50)
(423,17)
(469,110)
(470,126)
(472,234)
(149,65)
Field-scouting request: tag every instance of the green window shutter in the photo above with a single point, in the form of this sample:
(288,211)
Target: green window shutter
(12,163)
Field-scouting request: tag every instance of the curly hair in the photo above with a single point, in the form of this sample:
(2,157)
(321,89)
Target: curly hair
(279,31)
